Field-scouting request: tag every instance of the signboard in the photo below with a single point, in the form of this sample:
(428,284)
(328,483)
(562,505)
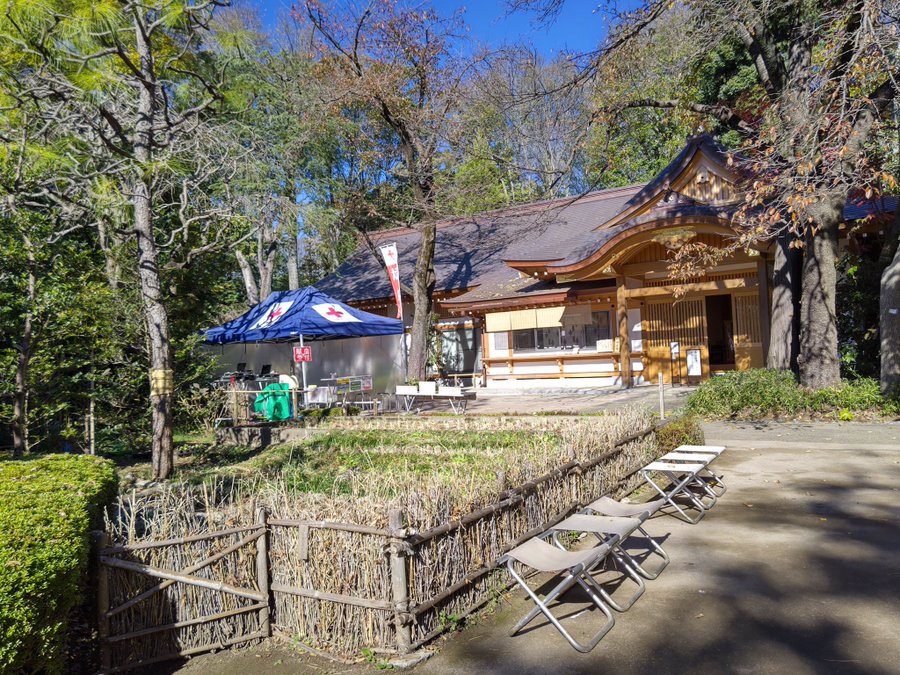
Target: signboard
(674,347)
(694,366)
(353,383)
(389,253)
(302,354)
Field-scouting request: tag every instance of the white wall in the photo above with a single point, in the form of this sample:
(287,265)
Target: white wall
(380,357)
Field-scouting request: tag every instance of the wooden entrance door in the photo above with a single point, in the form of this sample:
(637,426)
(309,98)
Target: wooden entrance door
(682,321)
(748,349)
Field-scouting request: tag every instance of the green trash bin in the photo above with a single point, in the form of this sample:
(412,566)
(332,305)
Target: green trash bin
(274,402)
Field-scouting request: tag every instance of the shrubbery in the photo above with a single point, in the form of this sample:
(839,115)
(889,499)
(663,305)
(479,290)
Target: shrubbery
(759,393)
(47,509)
(683,430)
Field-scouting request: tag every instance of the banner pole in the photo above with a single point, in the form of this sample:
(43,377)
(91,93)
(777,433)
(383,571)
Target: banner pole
(303,370)
(405,352)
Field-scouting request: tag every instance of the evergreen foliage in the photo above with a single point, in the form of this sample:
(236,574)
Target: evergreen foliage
(762,393)
(47,509)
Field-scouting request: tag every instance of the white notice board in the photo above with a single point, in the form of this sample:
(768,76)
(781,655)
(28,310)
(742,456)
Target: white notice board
(694,367)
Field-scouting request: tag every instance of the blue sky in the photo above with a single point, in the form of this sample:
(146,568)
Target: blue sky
(576,30)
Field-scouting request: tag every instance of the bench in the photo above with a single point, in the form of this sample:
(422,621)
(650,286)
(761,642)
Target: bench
(455,396)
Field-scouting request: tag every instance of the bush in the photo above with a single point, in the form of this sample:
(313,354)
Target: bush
(47,509)
(747,393)
(683,430)
(759,393)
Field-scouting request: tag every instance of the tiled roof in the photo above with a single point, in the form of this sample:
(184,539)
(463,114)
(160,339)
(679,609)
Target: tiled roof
(471,250)
(474,254)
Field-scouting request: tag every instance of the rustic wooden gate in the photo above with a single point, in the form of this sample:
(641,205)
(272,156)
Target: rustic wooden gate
(155,603)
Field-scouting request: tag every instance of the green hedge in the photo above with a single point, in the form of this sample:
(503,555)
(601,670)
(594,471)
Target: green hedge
(47,508)
(761,393)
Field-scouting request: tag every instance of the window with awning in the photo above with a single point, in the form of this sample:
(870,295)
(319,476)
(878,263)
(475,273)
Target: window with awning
(541,317)
(552,329)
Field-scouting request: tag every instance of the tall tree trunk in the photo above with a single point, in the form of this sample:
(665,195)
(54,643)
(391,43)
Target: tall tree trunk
(250,287)
(156,318)
(889,324)
(423,290)
(110,246)
(293,267)
(784,336)
(26,347)
(819,363)
(267,270)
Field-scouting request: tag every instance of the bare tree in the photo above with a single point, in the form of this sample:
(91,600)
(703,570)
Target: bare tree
(399,63)
(537,120)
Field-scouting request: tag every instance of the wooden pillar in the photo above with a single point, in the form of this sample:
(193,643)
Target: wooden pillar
(399,582)
(262,572)
(762,273)
(624,341)
(101,541)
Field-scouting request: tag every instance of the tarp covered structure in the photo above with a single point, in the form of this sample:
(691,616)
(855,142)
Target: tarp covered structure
(285,316)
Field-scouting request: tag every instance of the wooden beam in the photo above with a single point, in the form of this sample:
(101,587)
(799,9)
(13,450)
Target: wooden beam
(700,287)
(624,341)
(734,262)
(189,579)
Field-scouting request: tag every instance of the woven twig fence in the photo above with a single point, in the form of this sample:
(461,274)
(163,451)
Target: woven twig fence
(341,572)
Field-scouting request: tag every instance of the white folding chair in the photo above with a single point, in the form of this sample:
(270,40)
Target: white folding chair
(573,565)
(707,480)
(611,531)
(679,475)
(705,449)
(606,506)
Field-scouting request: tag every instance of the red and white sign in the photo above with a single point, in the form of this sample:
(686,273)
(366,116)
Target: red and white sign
(389,253)
(276,311)
(334,313)
(302,354)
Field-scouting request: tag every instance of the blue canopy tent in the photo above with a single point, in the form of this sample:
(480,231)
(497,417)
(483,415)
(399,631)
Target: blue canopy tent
(296,316)
(304,314)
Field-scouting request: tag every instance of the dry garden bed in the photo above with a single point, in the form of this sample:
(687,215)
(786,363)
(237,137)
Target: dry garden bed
(381,533)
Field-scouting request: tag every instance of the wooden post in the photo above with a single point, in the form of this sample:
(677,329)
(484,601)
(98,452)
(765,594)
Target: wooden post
(399,582)
(662,397)
(101,541)
(624,342)
(234,405)
(762,273)
(262,573)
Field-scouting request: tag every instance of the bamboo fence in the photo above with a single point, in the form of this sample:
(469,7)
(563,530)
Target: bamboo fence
(386,571)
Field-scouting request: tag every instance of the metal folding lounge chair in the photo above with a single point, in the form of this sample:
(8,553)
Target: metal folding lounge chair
(707,480)
(574,565)
(705,450)
(611,531)
(680,475)
(606,506)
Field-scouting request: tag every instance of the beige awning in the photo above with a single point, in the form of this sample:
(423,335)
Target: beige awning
(496,322)
(543,317)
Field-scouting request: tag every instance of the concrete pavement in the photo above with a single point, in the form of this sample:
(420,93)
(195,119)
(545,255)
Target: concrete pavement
(570,401)
(796,570)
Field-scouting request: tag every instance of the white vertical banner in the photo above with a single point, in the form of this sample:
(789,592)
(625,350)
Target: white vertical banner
(389,253)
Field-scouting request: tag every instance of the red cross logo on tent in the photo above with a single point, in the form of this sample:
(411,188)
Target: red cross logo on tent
(334,313)
(275,313)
